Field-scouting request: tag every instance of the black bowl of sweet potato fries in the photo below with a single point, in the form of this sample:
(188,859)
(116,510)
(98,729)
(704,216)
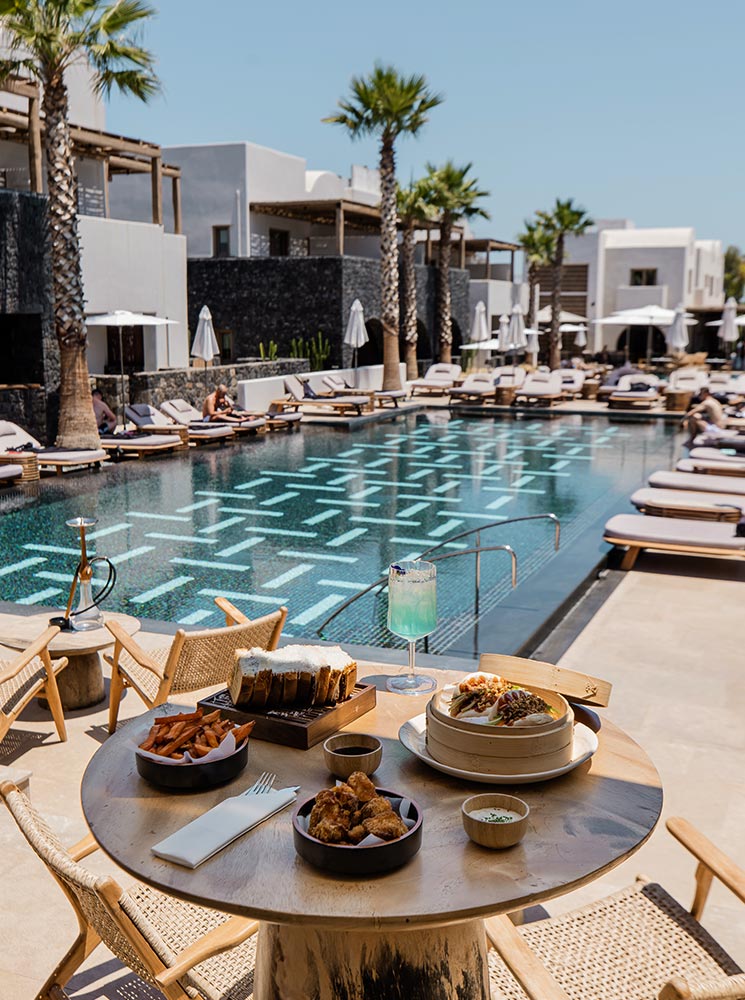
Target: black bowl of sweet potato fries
(181,739)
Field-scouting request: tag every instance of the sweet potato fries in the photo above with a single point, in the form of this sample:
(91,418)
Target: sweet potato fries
(172,735)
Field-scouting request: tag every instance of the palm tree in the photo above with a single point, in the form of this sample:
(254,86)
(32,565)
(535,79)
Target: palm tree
(414,209)
(539,247)
(46,38)
(454,194)
(387,104)
(564,218)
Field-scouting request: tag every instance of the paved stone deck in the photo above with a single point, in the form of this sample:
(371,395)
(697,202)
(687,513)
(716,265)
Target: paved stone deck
(670,640)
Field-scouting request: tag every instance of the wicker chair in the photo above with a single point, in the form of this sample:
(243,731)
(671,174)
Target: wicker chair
(194,660)
(637,944)
(186,951)
(29,674)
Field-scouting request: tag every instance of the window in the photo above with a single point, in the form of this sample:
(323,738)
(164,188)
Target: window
(221,241)
(643,276)
(279,243)
(225,343)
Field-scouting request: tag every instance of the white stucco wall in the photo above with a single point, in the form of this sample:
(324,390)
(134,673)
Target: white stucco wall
(498,296)
(129,265)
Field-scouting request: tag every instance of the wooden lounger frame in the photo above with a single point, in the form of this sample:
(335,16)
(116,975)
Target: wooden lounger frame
(130,447)
(528,399)
(619,400)
(634,548)
(700,470)
(725,513)
(432,390)
(59,465)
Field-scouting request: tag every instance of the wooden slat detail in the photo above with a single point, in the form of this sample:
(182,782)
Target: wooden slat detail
(571,683)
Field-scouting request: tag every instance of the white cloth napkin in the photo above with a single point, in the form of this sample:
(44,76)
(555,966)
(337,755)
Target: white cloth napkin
(220,826)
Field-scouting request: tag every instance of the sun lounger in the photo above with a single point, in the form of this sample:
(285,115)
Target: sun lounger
(10,474)
(147,418)
(637,392)
(715,455)
(141,445)
(710,468)
(540,388)
(478,387)
(188,416)
(572,380)
(509,375)
(689,504)
(437,379)
(340,388)
(687,380)
(718,437)
(334,404)
(669,534)
(12,436)
(681,480)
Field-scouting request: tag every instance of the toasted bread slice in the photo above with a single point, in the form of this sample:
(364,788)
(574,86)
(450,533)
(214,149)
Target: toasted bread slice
(262,687)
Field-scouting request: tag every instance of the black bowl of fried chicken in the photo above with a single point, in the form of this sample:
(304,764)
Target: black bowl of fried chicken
(357,829)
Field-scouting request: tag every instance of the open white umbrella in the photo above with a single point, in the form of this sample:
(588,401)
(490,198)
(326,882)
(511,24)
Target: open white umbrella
(205,344)
(121,318)
(649,316)
(356,332)
(492,344)
(676,335)
(544,316)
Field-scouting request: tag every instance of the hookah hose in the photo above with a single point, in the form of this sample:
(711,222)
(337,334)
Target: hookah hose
(104,591)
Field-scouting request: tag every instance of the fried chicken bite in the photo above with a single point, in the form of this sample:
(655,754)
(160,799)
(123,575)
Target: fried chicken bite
(376,807)
(357,833)
(387,826)
(361,785)
(329,819)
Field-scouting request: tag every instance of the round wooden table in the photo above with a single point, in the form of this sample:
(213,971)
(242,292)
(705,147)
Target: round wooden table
(81,682)
(375,937)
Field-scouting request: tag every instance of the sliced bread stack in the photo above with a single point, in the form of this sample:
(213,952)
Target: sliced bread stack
(298,676)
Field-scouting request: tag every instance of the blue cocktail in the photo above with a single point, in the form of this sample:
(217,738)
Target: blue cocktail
(412,614)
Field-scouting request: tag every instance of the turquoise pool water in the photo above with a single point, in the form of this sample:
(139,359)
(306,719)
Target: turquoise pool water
(308,519)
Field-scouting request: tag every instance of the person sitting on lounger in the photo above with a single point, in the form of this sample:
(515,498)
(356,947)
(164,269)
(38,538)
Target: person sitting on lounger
(706,417)
(105,419)
(218,406)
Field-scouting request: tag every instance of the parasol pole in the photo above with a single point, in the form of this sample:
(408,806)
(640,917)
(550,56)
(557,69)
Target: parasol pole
(121,375)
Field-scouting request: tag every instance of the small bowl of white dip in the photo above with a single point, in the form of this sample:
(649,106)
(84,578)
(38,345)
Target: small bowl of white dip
(495,820)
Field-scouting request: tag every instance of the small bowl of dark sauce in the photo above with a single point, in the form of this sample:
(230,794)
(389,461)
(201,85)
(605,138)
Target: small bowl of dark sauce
(346,753)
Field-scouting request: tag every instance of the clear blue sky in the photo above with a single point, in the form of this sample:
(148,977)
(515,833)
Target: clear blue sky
(632,107)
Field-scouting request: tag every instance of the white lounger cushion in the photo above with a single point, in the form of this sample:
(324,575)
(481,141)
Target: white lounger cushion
(648,531)
(687,499)
(11,471)
(542,384)
(715,455)
(144,442)
(696,481)
(145,415)
(699,465)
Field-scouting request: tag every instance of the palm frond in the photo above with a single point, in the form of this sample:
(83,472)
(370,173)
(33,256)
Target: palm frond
(127,81)
(454,192)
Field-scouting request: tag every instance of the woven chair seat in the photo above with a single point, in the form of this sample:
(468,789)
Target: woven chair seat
(623,947)
(171,925)
(141,677)
(20,687)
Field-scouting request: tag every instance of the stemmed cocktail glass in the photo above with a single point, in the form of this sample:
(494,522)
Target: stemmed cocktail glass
(412,614)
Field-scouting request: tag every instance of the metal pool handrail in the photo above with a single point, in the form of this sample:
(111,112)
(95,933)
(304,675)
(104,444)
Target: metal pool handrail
(463,552)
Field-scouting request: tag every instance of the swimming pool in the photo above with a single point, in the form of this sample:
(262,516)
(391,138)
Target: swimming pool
(309,519)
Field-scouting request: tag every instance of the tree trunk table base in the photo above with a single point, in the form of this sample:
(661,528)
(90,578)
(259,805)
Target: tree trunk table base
(678,399)
(80,683)
(590,389)
(504,395)
(295,962)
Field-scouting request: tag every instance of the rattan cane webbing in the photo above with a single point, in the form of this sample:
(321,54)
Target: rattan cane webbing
(208,659)
(144,679)
(14,691)
(624,947)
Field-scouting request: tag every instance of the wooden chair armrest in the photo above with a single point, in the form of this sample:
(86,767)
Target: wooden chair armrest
(712,862)
(83,848)
(532,975)
(228,935)
(137,653)
(232,615)
(719,988)
(25,656)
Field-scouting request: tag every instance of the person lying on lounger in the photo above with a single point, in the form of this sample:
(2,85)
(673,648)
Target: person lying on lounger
(105,419)
(218,406)
(706,417)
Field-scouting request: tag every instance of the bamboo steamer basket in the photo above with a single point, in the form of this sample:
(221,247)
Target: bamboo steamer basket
(484,749)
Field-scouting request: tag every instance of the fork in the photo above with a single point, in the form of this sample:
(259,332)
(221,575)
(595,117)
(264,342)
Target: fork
(262,784)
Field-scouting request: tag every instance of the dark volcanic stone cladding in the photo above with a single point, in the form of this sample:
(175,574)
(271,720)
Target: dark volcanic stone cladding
(278,298)
(26,292)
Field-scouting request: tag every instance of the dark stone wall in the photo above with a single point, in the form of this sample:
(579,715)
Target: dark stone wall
(278,298)
(28,346)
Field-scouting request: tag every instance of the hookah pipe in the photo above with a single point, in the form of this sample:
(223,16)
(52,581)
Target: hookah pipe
(83,575)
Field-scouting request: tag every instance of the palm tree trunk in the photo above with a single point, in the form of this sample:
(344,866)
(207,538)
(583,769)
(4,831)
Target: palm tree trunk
(444,318)
(409,282)
(532,282)
(554,340)
(389,265)
(77,423)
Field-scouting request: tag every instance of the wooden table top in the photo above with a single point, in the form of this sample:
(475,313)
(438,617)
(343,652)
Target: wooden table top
(581,825)
(17,631)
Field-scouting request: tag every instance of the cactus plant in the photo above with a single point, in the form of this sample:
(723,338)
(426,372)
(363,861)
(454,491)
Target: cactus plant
(319,351)
(270,353)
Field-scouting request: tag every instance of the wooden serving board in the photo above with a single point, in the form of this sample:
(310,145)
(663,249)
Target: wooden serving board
(301,728)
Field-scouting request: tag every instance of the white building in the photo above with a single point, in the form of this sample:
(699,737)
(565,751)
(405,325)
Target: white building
(138,266)
(617,266)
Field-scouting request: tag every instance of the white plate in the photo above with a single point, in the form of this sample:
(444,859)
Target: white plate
(413,735)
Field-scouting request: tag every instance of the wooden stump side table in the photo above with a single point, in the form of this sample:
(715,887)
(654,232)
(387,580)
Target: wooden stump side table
(678,399)
(590,389)
(81,682)
(504,395)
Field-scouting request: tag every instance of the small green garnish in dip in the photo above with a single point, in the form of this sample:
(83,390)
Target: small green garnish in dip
(494,815)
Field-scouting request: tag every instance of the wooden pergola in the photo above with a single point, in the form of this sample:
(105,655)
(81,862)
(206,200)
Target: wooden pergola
(342,215)
(487,246)
(119,154)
